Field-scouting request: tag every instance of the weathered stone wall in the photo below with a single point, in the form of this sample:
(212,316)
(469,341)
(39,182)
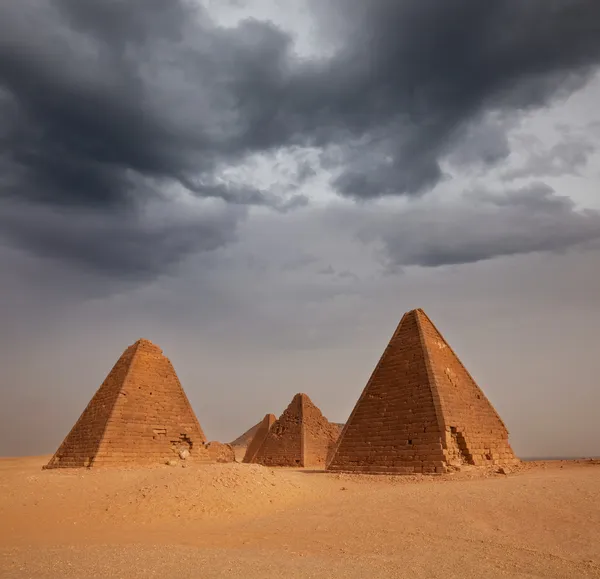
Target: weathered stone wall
(283,444)
(473,431)
(259,437)
(394,426)
(147,417)
(81,444)
(320,435)
(333,446)
(220,452)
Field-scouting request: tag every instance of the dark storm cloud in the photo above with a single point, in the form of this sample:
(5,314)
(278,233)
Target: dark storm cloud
(528,220)
(99,92)
(98,95)
(104,105)
(417,72)
(132,247)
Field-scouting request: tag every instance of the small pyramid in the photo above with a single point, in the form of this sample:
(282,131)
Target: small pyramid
(139,415)
(421,411)
(259,437)
(301,436)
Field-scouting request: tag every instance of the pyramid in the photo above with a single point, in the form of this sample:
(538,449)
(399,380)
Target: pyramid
(301,436)
(243,440)
(259,436)
(140,415)
(421,411)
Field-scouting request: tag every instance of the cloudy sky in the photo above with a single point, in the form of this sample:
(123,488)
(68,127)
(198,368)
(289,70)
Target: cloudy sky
(262,188)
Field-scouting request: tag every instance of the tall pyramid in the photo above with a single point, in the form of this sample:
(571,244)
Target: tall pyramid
(421,411)
(259,437)
(301,436)
(139,415)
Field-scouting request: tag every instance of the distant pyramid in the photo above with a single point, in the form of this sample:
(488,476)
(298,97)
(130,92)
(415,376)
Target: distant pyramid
(243,440)
(301,436)
(259,437)
(421,411)
(139,415)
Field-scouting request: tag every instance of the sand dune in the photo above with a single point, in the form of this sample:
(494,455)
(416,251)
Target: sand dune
(238,520)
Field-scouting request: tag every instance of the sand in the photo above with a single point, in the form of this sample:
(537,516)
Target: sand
(249,521)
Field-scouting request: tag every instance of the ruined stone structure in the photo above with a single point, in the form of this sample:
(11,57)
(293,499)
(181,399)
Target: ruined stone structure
(139,415)
(301,437)
(259,437)
(220,452)
(421,411)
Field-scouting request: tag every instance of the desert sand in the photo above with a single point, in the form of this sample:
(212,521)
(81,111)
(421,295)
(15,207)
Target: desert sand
(250,521)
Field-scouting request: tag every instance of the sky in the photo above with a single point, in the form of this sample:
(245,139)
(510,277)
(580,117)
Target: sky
(263,188)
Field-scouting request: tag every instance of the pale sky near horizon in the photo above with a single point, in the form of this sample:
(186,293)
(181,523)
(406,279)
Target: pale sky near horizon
(264,198)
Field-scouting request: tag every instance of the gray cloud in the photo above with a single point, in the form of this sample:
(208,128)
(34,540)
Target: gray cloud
(299,262)
(417,73)
(105,105)
(331,272)
(484,142)
(129,246)
(485,226)
(102,107)
(104,95)
(343,243)
(567,157)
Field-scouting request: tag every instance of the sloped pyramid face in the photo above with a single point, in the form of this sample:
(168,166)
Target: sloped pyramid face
(421,411)
(259,437)
(140,415)
(246,438)
(319,435)
(301,436)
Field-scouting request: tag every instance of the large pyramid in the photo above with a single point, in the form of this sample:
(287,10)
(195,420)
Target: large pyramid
(140,415)
(301,436)
(259,437)
(421,411)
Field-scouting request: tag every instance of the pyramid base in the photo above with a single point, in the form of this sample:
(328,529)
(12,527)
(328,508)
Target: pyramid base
(125,463)
(291,464)
(429,468)
(439,468)
(209,453)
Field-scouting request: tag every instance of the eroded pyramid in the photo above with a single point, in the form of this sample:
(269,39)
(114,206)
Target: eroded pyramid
(301,436)
(421,411)
(259,437)
(140,415)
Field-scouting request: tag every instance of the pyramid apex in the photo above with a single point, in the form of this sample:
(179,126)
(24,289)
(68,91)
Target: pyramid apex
(146,345)
(415,311)
(418,314)
(302,398)
(143,341)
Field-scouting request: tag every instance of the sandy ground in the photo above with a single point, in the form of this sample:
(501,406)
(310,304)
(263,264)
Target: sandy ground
(248,521)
